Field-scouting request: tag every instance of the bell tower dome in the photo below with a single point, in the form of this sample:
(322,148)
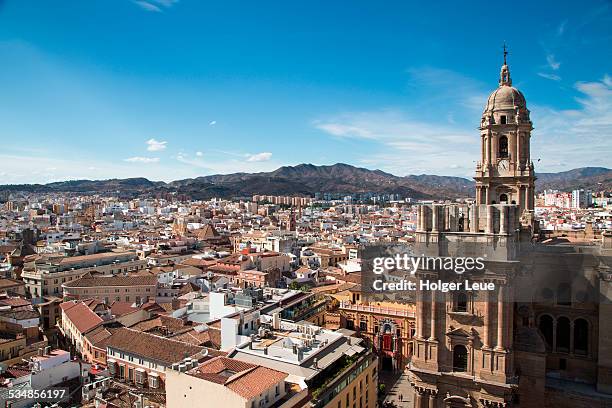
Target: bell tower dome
(505,171)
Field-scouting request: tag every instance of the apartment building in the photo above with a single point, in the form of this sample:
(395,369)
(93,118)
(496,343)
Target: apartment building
(326,368)
(144,359)
(225,382)
(45,274)
(78,318)
(115,288)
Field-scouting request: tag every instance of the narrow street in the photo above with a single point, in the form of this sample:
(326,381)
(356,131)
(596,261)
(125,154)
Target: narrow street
(397,385)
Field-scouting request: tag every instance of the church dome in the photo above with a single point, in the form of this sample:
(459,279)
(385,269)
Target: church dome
(505,97)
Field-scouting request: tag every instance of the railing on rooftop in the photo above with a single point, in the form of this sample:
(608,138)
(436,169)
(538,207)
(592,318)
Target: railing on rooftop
(376,309)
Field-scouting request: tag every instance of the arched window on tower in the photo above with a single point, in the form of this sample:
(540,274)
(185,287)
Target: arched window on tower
(460,358)
(546,328)
(461,301)
(503,146)
(563,334)
(503,198)
(581,336)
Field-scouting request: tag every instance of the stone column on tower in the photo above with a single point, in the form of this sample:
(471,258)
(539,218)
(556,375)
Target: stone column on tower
(432,335)
(500,319)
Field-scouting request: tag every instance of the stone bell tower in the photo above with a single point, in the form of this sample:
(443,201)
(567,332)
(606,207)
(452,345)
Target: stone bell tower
(463,348)
(505,172)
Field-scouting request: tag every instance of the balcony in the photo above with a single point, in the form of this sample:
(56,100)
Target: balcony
(376,310)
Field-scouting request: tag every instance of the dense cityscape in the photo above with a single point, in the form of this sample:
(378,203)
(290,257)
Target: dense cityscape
(154,302)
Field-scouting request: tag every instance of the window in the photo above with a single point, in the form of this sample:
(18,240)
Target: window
(581,336)
(460,358)
(363,326)
(461,304)
(503,147)
(503,119)
(503,198)
(563,334)
(350,325)
(546,328)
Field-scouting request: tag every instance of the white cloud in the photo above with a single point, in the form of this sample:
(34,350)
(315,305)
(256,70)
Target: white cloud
(343,130)
(552,77)
(212,122)
(552,63)
(145,5)
(139,159)
(155,145)
(184,158)
(576,137)
(199,154)
(561,28)
(258,157)
(407,145)
(155,5)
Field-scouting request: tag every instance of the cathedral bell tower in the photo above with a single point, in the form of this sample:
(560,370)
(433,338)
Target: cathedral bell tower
(504,174)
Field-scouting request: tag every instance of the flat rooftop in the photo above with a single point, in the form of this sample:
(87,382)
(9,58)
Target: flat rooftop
(300,349)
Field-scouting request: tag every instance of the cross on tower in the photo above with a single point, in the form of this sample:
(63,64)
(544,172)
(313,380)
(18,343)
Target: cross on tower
(505,53)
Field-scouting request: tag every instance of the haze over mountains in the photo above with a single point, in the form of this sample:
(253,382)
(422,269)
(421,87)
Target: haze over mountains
(307,179)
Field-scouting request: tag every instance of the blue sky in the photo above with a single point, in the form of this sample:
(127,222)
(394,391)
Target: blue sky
(174,89)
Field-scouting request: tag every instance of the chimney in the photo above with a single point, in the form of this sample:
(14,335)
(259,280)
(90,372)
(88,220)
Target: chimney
(276,321)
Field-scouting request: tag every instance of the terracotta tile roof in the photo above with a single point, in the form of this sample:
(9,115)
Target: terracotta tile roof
(83,318)
(172,323)
(214,333)
(15,302)
(16,372)
(153,307)
(245,379)
(122,308)
(117,280)
(193,337)
(10,283)
(150,346)
(98,334)
(188,288)
(20,314)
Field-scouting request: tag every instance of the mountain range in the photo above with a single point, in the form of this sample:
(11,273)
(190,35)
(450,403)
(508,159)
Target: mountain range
(307,179)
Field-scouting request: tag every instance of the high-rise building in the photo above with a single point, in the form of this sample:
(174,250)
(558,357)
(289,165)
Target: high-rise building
(582,198)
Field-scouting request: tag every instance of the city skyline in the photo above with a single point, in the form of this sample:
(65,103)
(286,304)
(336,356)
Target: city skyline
(169,90)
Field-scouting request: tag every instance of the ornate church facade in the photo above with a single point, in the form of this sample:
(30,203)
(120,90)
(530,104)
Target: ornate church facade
(543,337)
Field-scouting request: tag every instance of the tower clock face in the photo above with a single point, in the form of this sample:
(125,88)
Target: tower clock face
(503,166)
